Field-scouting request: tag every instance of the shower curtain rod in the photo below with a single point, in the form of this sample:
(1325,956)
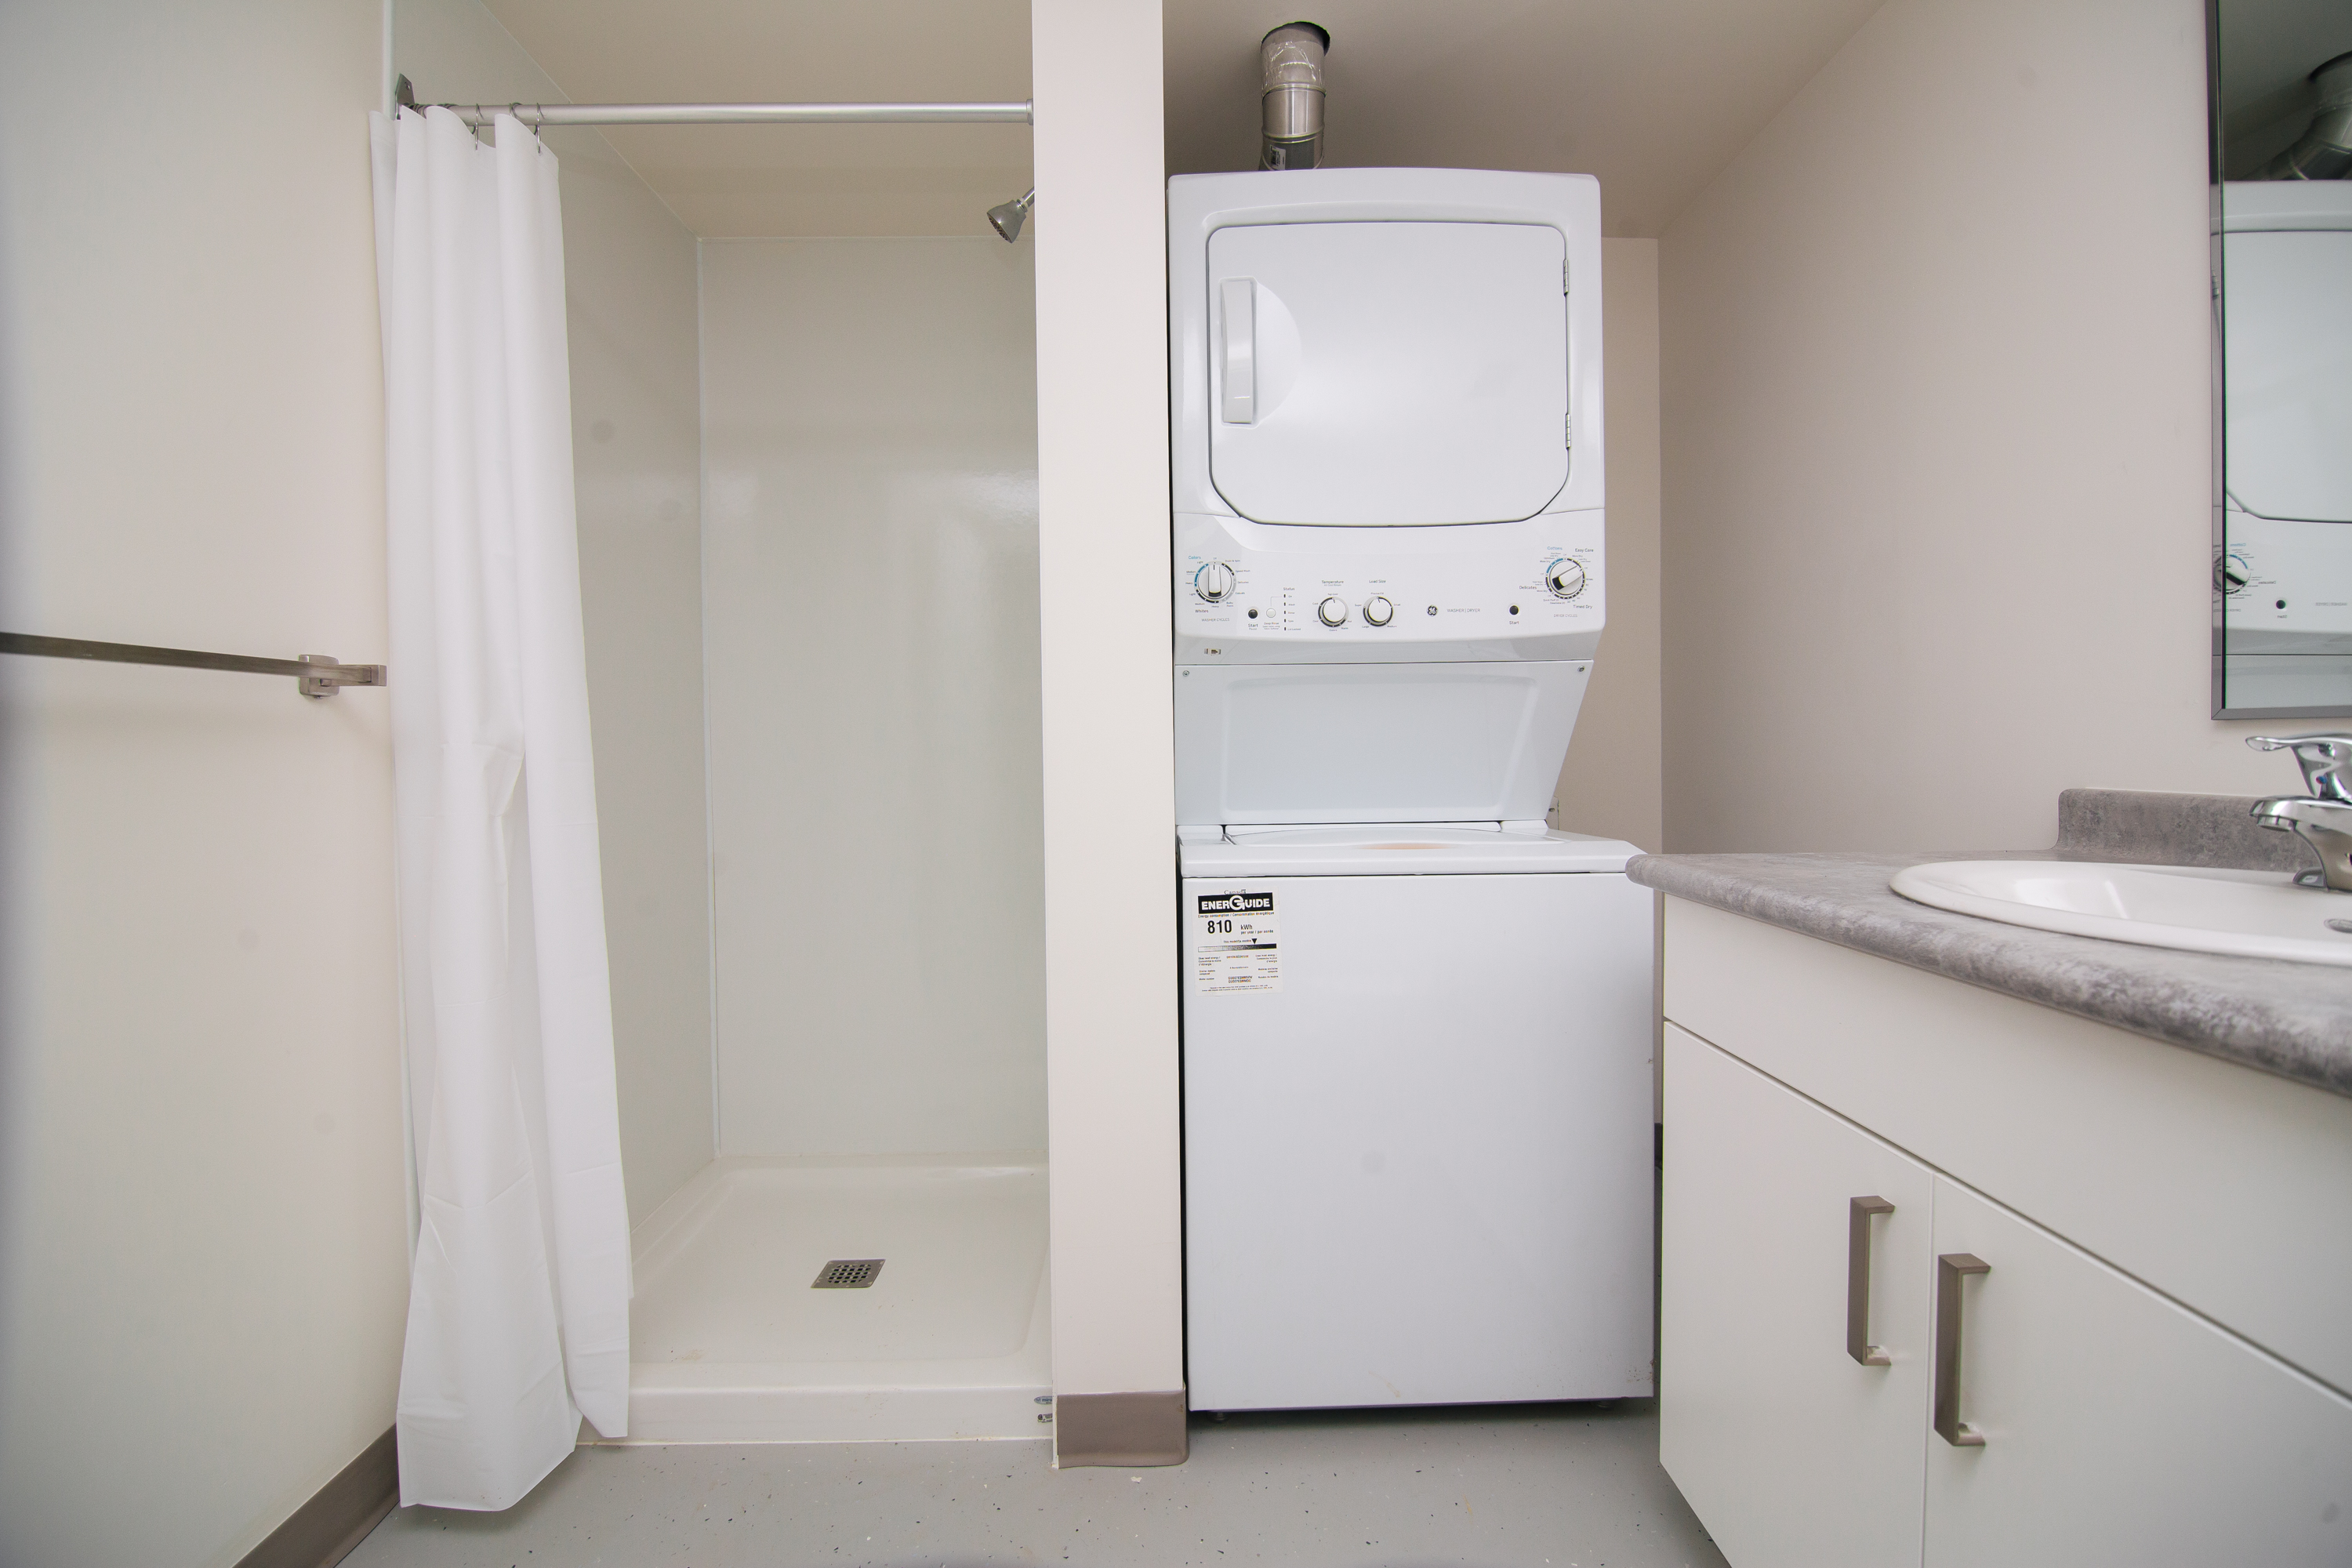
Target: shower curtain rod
(556,114)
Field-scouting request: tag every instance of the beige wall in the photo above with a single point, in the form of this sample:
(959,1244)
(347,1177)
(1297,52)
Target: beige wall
(1109,762)
(1935,368)
(203,1265)
(203,1244)
(1609,783)
(630,290)
(871,448)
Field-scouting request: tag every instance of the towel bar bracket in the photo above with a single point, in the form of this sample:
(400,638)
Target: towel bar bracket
(334,675)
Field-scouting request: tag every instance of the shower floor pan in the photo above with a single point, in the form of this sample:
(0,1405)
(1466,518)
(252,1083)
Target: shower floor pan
(730,1343)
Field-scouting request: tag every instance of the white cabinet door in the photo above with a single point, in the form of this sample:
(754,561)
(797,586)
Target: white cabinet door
(1372,373)
(1794,1454)
(2117,1427)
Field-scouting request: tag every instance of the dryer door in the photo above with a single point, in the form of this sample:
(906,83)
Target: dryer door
(2287,400)
(1366,373)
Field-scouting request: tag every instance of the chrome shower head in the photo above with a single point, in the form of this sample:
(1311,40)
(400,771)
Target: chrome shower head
(1007,217)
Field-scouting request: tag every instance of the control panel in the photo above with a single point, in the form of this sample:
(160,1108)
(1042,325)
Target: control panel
(1516,592)
(2284,586)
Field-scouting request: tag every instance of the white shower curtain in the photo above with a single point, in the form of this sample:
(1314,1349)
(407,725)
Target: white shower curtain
(519,1291)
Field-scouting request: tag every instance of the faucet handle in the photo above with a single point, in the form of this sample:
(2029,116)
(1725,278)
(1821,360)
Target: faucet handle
(2325,761)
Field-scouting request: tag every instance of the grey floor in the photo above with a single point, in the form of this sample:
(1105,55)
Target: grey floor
(1570,1485)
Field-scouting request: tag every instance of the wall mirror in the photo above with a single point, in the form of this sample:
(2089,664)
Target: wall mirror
(2281,91)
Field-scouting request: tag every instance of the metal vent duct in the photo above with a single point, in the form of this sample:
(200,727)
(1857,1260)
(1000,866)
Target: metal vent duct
(1290,66)
(2324,152)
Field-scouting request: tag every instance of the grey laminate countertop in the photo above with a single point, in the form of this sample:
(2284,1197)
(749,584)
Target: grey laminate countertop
(2292,1019)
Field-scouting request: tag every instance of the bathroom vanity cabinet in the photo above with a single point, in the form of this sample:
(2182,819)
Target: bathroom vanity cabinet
(2152,1365)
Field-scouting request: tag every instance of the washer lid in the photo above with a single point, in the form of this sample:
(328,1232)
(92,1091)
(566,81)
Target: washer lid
(1396,849)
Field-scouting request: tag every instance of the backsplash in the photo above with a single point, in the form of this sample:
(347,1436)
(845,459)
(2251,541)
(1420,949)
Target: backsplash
(2154,828)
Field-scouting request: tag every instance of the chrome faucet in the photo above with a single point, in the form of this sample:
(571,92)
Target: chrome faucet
(2322,815)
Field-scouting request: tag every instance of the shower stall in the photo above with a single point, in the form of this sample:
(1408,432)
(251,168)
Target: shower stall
(869,622)
(803,363)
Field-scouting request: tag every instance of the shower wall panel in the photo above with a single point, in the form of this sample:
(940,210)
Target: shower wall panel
(629,274)
(871,619)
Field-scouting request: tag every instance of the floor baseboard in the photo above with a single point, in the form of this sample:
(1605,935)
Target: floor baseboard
(1126,1430)
(323,1531)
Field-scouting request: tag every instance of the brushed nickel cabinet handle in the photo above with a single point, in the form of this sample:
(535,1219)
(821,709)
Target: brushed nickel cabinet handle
(1857,1281)
(1950,1269)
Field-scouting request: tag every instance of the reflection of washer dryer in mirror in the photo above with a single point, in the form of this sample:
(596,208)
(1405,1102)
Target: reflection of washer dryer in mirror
(2285,586)
(2286,298)
(2230,571)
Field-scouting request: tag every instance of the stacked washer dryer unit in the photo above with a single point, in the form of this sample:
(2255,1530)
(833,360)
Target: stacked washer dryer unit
(1417,1023)
(2285,553)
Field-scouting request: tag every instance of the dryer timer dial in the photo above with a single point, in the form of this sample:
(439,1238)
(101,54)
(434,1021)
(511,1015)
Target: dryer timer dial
(1214,582)
(1565,578)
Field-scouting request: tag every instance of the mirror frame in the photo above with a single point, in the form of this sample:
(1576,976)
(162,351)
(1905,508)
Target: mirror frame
(2214,180)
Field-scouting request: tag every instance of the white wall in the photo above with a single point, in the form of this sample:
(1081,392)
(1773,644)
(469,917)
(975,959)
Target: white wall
(1611,783)
(630,288)
(1935,372)
(871,451)
(203,1242)
(1110,889)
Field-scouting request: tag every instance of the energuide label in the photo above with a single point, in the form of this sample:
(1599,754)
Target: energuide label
(1235,947)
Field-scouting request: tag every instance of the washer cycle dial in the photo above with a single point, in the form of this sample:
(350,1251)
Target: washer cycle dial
(1377,611)
(1215,583)
(1332,612)
(1565,578)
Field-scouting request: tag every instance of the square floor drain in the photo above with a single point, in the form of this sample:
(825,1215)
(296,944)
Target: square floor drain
(847,1274)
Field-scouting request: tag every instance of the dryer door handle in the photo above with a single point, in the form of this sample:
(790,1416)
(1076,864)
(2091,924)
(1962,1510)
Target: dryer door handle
(1237,337)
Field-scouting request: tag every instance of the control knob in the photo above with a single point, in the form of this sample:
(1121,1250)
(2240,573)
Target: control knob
(1377,611)
(1565,578)
(1332,612)
(1214,582)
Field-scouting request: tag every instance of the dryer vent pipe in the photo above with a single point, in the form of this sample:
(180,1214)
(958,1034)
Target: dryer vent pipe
(1290,66)
(2322,153)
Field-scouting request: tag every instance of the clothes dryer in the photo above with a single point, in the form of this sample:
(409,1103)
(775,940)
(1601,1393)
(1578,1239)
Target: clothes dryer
(1387,470)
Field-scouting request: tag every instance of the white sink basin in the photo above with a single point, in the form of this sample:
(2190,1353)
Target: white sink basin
(2254,914)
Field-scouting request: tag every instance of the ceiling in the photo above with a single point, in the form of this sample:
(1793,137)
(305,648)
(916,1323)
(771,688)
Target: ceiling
(1654,96)
(2268,49)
